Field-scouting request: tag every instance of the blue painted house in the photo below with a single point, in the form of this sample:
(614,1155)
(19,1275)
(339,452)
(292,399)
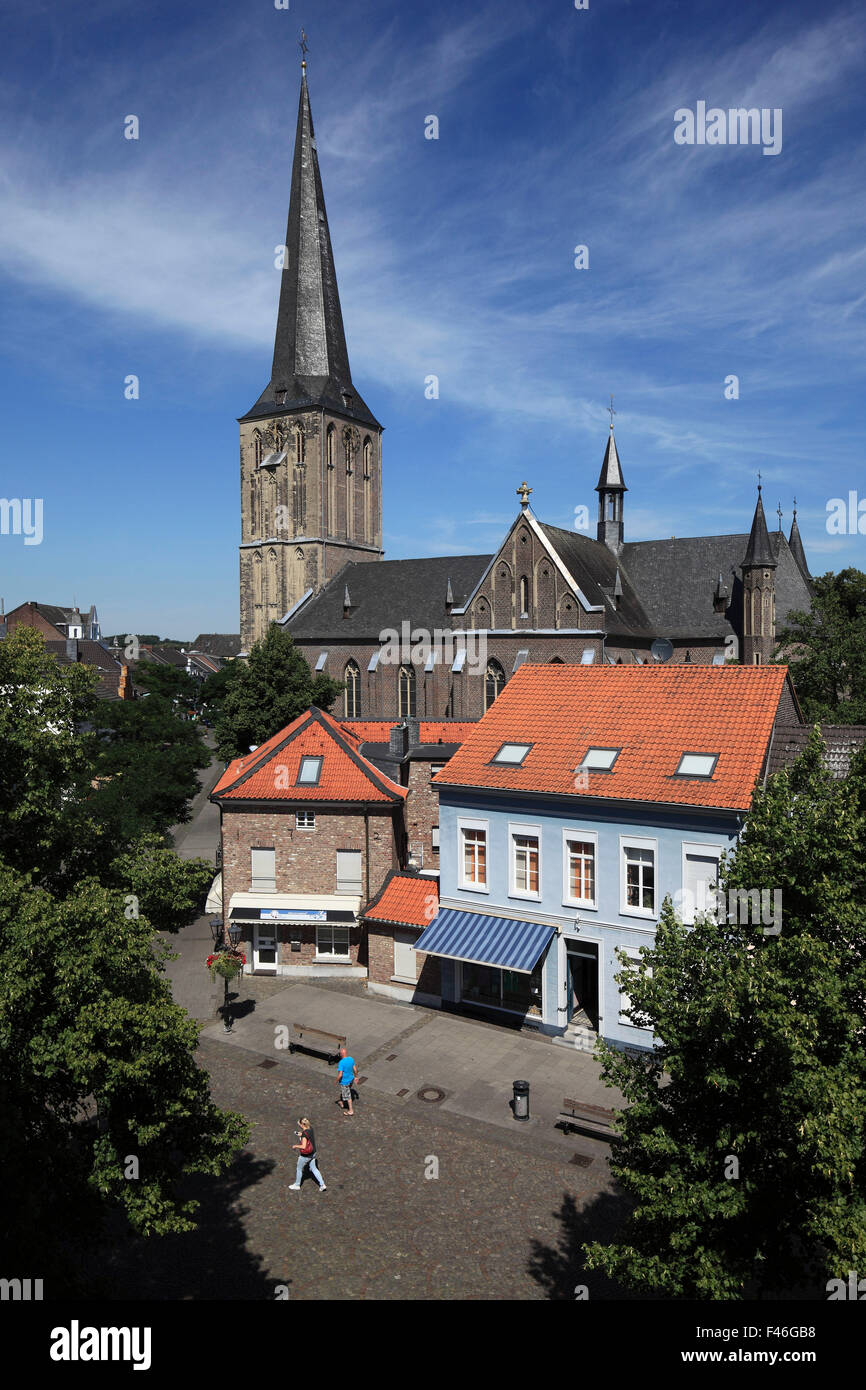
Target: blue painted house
(582,798)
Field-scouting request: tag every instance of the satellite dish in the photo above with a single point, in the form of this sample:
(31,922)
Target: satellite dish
(662,649)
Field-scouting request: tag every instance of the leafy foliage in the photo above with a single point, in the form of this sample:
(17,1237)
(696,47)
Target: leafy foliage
(760,1060)
(272,689)
(96,1061)
(826,650)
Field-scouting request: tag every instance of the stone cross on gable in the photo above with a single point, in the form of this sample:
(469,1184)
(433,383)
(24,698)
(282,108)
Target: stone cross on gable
(523,493)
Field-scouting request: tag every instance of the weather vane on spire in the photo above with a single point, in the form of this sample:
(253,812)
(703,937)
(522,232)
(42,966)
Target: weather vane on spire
(779,513)
(759,481)
(611,412)
(303,47)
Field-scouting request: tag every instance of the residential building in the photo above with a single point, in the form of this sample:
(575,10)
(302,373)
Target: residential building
(54,622)
(310,829)
(581,799)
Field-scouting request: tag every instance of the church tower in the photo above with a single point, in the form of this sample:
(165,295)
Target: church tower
(759,592)
(611,491)
(311,450)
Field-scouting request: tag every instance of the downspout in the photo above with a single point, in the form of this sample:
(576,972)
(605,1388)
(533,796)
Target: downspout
(367,849)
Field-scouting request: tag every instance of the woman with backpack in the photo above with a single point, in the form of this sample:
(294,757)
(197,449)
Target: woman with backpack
(306,1156)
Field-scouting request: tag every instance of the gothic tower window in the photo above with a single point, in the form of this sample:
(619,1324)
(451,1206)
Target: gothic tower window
(352,693)
(406,692)
(367,474)
(299,498)
(300,450)
(524,597)
(332,446)
(494,680)
(257,449)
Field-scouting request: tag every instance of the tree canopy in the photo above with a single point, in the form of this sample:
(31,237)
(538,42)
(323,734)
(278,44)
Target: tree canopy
(96,1061)
(266,694)
(826,650)
(743,1142)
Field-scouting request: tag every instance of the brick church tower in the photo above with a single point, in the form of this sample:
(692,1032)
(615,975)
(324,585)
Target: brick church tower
(759,592)
(311,451)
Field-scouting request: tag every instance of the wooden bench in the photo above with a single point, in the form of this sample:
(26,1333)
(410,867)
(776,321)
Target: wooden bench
(577,1116)
(318,1041)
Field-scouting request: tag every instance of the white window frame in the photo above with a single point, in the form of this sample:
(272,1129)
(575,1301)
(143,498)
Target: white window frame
(590,836)
(705,852)
(633,953)
(271,880)
(638,842)
(333,927)
(514,830)
(299,826)
(467,823)
(434,838)
(356,888)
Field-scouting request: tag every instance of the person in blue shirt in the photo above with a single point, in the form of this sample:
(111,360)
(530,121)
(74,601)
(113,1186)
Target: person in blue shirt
(346,1073)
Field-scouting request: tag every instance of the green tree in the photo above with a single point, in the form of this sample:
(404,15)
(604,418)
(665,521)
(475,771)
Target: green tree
(146,759)
(743,1145)
(826,650)
(216,686)
(272,689)
(96,1068)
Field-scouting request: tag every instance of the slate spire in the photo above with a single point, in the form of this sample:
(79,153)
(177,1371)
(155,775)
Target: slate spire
(759,551)
(311,360)
(611,490)
(795,541)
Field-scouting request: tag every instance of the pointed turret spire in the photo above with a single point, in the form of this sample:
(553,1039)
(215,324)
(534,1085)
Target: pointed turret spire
(795,542)
(311,361)
(759,551)
(611,489)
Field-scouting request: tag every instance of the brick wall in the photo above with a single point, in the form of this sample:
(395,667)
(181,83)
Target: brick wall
(380,962)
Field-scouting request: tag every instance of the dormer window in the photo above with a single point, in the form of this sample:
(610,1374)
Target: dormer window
(511,754)
(600,759)
(697,765)
(309,772)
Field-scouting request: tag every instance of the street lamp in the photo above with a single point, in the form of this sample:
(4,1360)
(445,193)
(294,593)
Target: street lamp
(224,941)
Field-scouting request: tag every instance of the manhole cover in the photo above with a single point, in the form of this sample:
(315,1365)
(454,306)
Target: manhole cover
(267,1063)
(581,1160)
(431,1093)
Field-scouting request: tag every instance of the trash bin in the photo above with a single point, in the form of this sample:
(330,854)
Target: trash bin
(521,1100)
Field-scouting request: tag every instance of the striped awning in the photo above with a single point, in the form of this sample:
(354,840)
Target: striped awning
(484,940)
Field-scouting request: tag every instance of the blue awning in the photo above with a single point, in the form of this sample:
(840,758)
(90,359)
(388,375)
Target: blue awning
(474,936)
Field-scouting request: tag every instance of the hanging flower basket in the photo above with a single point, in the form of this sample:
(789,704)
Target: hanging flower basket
(226,964)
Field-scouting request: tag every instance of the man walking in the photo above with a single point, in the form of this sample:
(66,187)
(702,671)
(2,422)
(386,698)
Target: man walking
(346,1073)
(306,1156)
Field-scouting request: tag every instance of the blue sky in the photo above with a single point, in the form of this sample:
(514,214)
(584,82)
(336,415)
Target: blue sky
(455,257)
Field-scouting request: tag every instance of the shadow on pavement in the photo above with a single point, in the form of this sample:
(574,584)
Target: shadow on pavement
(212,1262)
(561,1269)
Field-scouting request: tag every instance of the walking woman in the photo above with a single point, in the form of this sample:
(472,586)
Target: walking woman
(306,1156)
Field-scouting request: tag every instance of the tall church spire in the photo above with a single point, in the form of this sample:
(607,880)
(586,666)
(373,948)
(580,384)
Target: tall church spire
(311,361)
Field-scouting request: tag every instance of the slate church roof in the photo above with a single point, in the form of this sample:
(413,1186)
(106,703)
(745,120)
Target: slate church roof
(387,592)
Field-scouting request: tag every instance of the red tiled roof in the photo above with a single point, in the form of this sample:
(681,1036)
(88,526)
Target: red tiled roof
(406,899)
(431,730)
(654,714)
(271,772)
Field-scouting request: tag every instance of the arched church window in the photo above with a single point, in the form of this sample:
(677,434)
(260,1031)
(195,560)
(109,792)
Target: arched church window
(331,446)
(352,692)
(300,445)
(406,692)
(367,457)
(257,449)
(494,680)
(524,597)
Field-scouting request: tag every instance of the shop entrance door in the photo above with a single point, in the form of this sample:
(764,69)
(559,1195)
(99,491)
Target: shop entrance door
(583,984)
(265,949)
